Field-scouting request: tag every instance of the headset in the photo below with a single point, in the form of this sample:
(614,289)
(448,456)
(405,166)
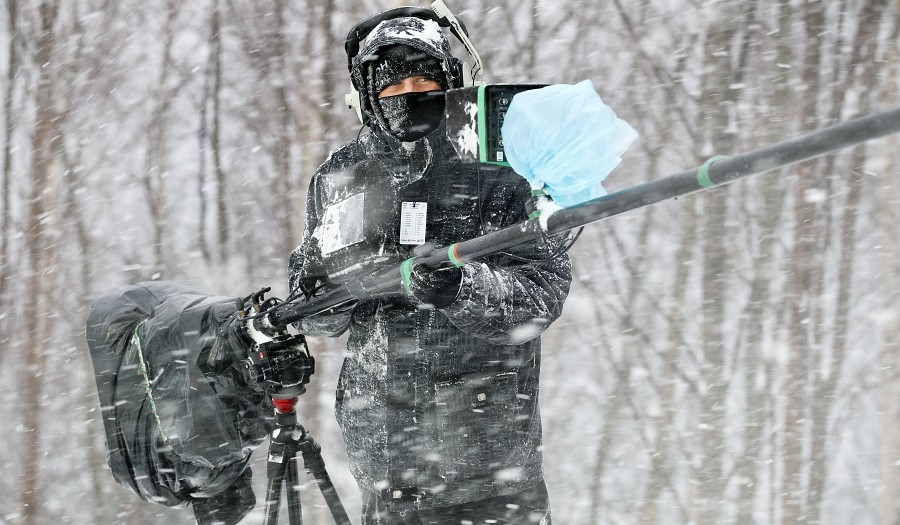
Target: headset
(440,13)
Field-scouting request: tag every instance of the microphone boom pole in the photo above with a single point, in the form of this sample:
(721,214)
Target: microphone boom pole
(717,171)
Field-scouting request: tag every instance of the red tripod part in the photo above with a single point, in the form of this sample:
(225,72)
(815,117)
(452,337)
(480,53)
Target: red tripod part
(284,405)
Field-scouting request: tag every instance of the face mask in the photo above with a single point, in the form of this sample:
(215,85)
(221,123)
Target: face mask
(411,116)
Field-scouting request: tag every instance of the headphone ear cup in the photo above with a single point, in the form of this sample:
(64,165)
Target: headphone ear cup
(353,102)
(457,73)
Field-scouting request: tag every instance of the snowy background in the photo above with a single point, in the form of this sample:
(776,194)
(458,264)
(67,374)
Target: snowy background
(729,357)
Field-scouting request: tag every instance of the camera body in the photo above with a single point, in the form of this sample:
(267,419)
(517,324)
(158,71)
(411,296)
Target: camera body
(282,366)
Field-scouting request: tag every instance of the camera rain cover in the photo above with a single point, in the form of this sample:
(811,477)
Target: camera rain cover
(175,432)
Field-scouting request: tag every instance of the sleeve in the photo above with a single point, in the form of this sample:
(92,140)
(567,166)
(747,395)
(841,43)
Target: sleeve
(306,275)
(507,301)
(513,296)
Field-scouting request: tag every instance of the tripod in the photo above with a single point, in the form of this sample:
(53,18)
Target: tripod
(286,440)
(281,364)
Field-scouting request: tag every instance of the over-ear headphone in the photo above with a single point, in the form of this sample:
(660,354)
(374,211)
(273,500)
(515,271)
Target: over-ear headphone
(439,13)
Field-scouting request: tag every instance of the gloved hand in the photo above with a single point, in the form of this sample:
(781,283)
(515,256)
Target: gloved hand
(224,350)
(438,287)
(230,345)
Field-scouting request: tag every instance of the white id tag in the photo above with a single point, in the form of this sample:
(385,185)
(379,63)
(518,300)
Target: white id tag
(412,222)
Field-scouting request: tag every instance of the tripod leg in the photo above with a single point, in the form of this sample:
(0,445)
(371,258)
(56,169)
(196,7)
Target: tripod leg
(312,459)
(295,512)
(275,471)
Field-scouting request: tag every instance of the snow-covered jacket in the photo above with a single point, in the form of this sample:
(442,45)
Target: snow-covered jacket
(436,407)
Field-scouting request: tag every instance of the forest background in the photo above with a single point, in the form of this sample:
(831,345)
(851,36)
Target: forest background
(728,357)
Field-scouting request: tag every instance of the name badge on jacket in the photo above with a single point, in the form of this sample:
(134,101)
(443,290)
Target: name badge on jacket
(412,222)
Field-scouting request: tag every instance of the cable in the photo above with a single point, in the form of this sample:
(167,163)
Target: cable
(566,246)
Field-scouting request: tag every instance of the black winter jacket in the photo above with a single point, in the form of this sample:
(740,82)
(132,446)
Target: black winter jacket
(436,407)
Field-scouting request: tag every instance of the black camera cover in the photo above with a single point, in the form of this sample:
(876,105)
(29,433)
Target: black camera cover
(175,432)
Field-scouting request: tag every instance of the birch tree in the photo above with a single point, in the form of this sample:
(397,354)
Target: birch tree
(40,251)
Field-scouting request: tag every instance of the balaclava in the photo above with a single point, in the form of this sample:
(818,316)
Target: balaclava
(409,116)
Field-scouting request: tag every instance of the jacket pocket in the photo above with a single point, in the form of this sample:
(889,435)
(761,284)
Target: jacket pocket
(477,419)
(341,225)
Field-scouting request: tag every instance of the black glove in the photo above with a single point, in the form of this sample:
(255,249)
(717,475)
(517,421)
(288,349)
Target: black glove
(438,287)
(231,344)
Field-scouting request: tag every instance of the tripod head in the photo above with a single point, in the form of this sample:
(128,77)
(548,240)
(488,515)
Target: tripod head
(279,362)
(282,366)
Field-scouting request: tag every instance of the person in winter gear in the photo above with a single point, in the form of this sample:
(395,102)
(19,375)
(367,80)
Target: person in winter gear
(438,397)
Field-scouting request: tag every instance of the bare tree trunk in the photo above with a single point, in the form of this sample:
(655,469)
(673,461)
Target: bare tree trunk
(325,117)
(210,97)
(862,78)
(889,389)
(223,229)
(90,440)
(660,477)
(758,372)
(38,248)
(282,149)
(78,273)
(611,418)
(155,169)
(722,71)
(633,341)
(805,287)
(9,128)
(754,367)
